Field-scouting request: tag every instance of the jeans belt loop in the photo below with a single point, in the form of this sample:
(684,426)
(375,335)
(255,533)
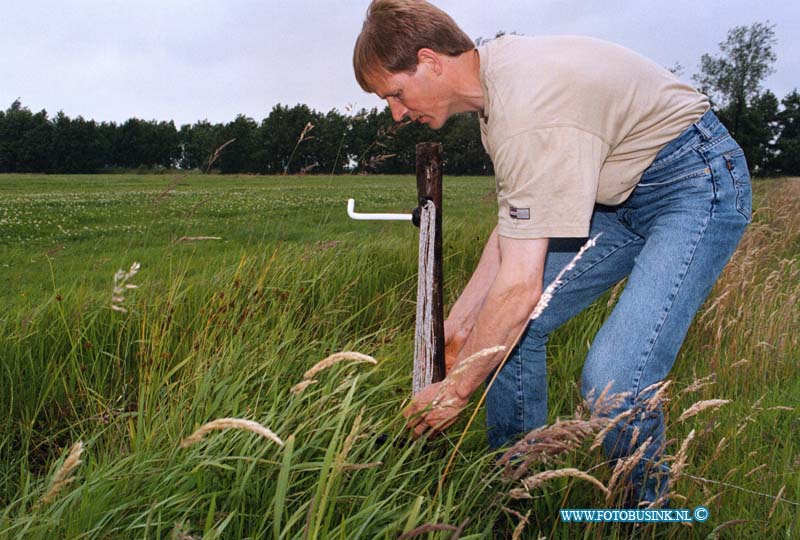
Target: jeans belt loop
(704,131)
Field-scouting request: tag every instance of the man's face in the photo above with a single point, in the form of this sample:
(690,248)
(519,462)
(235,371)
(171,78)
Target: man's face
(417,95)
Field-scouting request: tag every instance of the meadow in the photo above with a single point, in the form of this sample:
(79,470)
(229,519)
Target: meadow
(226,326)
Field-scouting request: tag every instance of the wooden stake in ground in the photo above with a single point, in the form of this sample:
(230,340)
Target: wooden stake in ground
(429,366)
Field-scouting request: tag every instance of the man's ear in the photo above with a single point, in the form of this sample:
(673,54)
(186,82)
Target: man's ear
(430,58)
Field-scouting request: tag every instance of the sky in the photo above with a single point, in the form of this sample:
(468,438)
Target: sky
(182,60)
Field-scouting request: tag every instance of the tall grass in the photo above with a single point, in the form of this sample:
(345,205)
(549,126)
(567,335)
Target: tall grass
(233,342)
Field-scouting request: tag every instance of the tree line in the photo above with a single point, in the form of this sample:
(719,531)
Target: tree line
(299,140)
(289,140)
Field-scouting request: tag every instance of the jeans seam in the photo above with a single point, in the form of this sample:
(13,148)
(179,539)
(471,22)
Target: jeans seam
(715,183)
(738,184)
(635,387)
(520,390)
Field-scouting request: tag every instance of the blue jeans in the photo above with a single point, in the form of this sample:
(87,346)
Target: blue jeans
(670,238)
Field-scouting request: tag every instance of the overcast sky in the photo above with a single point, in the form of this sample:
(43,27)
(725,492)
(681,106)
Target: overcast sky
(188,60)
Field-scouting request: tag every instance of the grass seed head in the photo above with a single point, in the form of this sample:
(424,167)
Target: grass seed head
(701,406)
(121,284)
(302,385)
(230,423)
(547,295)
(612,423)
(545,444)
(517,534)
(680,457)
(697,384)
(63,475)
(778,498)
(537,480)
(624,467)
(480,355)
(335,358)
(659,396)
(740,363)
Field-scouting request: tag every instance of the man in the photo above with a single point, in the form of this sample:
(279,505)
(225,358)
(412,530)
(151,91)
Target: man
(587,139)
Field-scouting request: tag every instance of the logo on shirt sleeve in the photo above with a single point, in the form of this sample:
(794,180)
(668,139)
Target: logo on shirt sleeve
(520,213)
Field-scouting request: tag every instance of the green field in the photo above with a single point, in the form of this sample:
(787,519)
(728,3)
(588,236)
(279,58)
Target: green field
(225,328)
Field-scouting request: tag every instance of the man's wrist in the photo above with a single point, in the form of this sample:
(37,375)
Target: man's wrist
(454,322)
(462,386)
(457,328)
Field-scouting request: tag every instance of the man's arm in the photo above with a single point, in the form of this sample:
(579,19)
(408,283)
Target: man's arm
(505,311)
(465,311)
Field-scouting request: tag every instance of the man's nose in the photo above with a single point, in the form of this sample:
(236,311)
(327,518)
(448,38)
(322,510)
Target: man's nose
(398,110)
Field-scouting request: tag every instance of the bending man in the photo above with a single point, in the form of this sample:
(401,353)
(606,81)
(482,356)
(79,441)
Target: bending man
(587,138)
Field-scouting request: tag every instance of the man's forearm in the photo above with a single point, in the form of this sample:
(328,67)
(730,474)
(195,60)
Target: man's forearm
(502,317)
(465,311)
(504,311)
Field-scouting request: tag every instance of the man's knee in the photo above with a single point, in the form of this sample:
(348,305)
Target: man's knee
(604,394)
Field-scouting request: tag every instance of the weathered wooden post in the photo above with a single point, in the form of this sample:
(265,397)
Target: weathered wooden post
(429,365)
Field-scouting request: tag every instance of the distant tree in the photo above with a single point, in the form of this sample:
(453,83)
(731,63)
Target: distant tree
(239,156)
(330,142)
(758,132)
(168,151)
(198,142)
(463,149)
(401,142)
(788,145)
(365,141)
(378,144)
(35,144)
(141,143)
(389,147)
(107,133)
(733,78)
(4,161)
(677,69)
(77,146)
(24,140)
(500,33)
(279,150)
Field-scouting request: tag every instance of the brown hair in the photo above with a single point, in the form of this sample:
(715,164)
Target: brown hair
(395,30)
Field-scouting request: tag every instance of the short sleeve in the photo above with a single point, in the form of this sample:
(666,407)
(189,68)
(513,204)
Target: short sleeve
(547,180)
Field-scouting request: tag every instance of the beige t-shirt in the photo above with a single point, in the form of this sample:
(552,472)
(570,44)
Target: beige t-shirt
(572,121)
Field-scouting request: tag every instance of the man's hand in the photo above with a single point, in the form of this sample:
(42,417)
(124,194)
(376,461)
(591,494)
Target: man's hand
(434,409)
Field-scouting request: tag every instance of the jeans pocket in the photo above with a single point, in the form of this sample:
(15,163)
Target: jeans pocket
(668,177)
(736,164)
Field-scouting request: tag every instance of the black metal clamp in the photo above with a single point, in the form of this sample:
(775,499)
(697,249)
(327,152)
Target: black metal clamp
(415,213)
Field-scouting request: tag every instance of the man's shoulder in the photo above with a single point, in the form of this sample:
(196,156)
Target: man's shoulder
(565,59)
(561,44)
(534,81)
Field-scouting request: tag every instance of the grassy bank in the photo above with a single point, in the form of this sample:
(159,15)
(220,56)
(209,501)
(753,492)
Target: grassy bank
(226,327)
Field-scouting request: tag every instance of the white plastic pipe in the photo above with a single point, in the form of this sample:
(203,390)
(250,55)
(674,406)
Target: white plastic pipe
(351,205)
